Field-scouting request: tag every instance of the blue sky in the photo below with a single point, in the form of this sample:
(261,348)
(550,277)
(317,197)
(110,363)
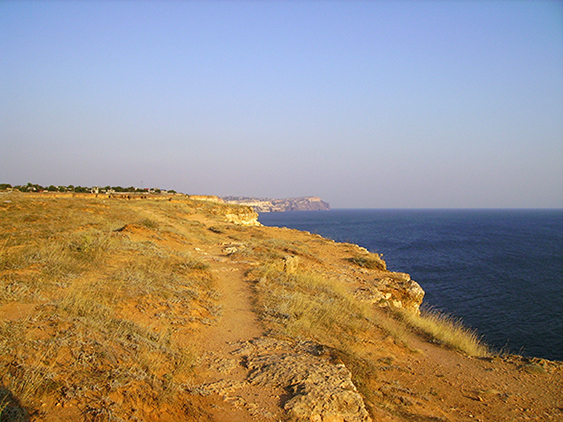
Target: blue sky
(367,104)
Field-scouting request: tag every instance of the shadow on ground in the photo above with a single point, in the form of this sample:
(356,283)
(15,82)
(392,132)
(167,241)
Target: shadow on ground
(11,409)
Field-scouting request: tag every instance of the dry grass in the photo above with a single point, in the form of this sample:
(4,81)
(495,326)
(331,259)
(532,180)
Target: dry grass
(309,306)
(98,301)
(445,329)
(103,309)
(372,262)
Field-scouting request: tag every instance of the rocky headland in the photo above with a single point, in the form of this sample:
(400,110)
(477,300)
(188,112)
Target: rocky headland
(307,203)
(188,309)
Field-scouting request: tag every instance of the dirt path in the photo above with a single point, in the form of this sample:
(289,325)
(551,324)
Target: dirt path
(238,322)
(222,376)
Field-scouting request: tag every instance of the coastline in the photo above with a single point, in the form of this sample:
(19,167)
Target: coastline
(165,306)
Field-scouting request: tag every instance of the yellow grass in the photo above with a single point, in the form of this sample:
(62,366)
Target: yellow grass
(103,310)
(447,330)
(309,306)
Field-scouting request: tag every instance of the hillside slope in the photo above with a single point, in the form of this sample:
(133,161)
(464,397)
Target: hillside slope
(171,310)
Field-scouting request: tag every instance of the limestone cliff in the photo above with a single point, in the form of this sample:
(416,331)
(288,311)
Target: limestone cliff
(308,203)
(243,216)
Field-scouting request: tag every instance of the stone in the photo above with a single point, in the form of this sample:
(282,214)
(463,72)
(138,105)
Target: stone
(290,264)
(320,390)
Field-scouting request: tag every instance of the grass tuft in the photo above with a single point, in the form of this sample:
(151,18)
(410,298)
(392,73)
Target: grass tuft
(372,262)
(149,223)
(447,330)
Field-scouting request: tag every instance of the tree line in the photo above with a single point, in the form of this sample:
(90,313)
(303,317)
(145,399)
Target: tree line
(31,187)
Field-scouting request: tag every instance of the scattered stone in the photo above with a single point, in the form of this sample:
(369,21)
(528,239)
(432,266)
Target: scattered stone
(290,264)
(233,247)
(230,250)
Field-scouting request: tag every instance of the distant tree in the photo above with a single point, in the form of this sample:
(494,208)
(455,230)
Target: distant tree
(70,188)
(4,186)
(52,188)
(171,191)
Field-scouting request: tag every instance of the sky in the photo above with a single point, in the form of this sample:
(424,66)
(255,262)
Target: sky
(366,104)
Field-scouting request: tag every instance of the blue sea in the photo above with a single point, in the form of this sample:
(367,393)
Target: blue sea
(500,271)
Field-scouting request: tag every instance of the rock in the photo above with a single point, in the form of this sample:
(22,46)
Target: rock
(230,250)
(395,289)
(290,264)
(243,216)
(533,368)
(233,247)
(320,391)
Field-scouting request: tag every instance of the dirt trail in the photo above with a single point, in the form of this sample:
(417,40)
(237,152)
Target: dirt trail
(222,377)
(238,322)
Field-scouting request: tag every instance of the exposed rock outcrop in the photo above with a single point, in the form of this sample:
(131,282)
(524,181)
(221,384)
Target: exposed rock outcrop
(319,390)
(210,198)
(392,289)
(385,288)
(308,203)
(290,264)
(315,390)
(243,216)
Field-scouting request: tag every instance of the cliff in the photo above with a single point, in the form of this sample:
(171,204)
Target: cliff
(309,203)
(189,310)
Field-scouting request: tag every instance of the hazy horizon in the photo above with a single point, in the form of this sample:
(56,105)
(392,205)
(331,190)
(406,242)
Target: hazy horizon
(383,104)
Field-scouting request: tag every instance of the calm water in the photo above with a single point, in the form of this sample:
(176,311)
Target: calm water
(501,271)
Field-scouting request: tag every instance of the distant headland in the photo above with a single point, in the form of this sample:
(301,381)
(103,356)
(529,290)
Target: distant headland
(307,203)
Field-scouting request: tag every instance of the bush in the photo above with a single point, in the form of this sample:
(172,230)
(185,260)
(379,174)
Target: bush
(371,262)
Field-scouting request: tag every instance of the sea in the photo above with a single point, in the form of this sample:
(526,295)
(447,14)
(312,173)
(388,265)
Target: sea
(499,271)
